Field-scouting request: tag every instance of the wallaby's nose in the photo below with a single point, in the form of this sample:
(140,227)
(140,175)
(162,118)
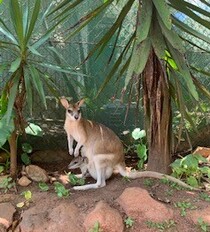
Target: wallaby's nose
(76,117)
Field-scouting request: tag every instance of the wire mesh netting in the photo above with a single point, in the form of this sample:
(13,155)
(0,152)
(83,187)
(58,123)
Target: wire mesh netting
(87,77)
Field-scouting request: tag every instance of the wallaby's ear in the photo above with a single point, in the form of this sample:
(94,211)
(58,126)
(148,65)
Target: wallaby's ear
(64,102)
(81,102)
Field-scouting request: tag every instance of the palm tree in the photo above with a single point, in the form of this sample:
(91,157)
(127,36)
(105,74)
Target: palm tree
(27,70)
(155,54)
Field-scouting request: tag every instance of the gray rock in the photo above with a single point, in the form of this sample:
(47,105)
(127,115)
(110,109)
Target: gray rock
(36,173)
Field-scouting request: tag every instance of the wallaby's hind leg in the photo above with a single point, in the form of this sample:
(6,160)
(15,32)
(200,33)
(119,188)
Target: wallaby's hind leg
(101,179)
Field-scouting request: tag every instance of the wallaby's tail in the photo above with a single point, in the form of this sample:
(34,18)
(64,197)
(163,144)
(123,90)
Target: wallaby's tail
(150,174)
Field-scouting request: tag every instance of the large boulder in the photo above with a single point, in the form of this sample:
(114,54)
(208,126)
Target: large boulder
(138,204)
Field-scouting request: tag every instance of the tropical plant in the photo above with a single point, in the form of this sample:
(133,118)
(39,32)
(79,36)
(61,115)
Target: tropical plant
(141,148)
(27,199)
(74,180)
(7,183)
(204,226)
(161,226)
(154,55)
(184,205)
(129,222)
(190,169)
(61,190)
(25,68)
(27,149)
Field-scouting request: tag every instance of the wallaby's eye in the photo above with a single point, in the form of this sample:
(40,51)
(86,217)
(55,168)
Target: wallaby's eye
(69,111)
(78,110)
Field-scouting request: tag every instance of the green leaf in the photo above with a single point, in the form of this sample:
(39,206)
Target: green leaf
(205,2)
(43,186)
(109,34)
(34,17)
(170,61)
(37,82)
(142,151)
(17,20)
(33,129)
(27,148)
(15,65)
(3,102)
(25,158)
(164,12)
(28,86)
(67,9)
(184,71)
(43,39)
(144,20)
(138,133)
(205,170)
(116,65)
(199,9)
(74,180)
(183,7)
(171,36)
(190,161)
(192,181)
(34,51)
(138,60)
(27,194)
(158,41)
(61,69)
(201,87)
(61,190)
(1,169)
(12,95)
(7,32)
(184,27)
(179,97)
(25,19)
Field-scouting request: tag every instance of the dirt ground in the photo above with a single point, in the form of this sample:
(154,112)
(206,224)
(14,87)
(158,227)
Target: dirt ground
(166,194)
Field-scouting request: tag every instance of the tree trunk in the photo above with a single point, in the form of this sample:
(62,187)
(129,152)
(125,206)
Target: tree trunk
(157,106)
(13,154)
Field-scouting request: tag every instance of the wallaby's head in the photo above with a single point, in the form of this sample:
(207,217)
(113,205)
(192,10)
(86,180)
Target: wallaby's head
(78,162)
(72,110)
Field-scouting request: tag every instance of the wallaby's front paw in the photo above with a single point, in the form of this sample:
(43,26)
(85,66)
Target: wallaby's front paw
(71,151)
(76,153)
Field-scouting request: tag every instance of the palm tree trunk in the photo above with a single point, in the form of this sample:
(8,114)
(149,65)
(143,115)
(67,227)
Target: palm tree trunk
(13,154)
(157,106)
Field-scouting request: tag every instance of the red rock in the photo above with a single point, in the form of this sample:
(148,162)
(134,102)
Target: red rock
(63,217)
(200,213)
(6,214)
(108,218)
(138,204)
(24,181)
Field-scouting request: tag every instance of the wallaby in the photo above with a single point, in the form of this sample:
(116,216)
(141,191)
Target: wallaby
(102,147)
(81,163)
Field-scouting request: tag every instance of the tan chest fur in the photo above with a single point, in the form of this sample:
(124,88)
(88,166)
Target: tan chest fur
(75,130)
